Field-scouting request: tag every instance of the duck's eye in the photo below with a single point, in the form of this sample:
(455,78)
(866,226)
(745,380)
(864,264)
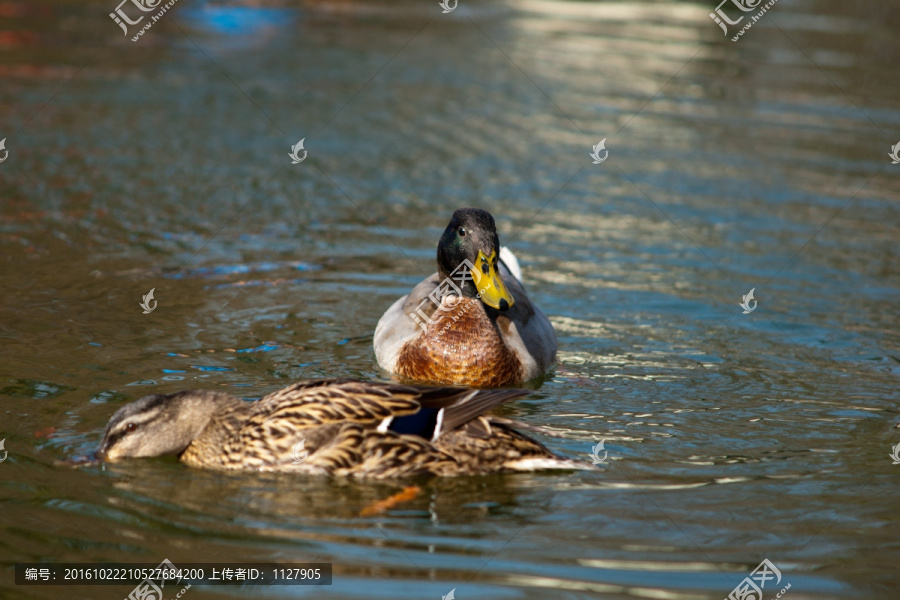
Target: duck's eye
(461,231)
(130,427)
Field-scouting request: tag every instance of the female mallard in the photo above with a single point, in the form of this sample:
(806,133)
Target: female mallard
(333,427)
(470,323)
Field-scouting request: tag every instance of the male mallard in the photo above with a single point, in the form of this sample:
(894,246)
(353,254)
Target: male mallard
(470,323)
(333,427)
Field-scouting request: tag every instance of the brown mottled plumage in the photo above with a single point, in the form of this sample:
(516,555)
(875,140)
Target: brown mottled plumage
(335,427)
(450,329)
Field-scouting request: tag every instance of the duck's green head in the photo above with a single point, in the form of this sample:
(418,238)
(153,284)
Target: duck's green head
(470,245)
(158,424)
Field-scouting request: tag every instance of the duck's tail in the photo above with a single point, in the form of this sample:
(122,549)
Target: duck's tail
(539,463)
(511,262)
(548,463)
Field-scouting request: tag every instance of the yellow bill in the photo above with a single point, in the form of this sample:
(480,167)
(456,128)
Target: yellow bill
(490,287)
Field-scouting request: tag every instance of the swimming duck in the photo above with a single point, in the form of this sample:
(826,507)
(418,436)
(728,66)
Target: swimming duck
(333,427)
(470,323)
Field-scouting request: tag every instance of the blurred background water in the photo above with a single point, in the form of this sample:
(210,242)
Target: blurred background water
(732,437)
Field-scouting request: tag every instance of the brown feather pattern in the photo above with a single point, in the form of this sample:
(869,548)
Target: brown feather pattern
(338,420)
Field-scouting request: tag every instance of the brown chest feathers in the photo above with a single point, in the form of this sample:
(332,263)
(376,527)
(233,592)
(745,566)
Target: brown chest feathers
(461,345)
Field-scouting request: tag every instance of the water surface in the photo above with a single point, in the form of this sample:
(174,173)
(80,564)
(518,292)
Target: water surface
(731,437)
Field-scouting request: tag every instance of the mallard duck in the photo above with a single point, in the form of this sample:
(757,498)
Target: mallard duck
(334,427)
(470,323)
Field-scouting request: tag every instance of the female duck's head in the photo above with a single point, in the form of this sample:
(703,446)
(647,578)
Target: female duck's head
(158,424)
(468,254)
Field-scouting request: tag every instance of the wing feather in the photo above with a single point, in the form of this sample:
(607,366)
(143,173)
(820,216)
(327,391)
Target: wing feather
(328,401)
(470,405)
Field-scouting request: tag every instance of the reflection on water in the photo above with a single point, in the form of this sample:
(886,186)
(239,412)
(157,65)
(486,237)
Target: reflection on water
(759,164)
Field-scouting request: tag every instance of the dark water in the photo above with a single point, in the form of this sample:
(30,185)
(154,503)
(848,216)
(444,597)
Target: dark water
(731,437)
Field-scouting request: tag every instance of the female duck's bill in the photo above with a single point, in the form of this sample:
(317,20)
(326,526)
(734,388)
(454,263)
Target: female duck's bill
(342,427)
(471,322)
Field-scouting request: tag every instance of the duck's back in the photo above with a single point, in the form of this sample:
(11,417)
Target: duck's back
(369,429)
